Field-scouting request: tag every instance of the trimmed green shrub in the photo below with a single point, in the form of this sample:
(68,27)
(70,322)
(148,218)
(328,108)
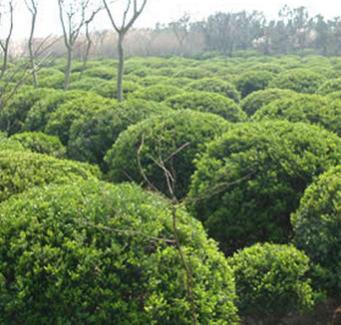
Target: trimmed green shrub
(271,281)
(20,171)
(207,103)
(100,72)
(317,228)
(93,253)
(193,73)
(217,86)
(60,121)
(92,136)
(299,80)
(157,93)
(41,111)
(261,171)
(251,81)
(154,80)
(56,81)
(330,86)
(40,143)
(254,101)
(306,108)
(13,115)
(177,137)
(10,144)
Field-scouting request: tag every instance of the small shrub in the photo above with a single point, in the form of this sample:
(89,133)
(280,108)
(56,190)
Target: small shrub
(254,101)
(299,80)
(252,81)
(207,103)
(40,143)
(92,136)
(271,281)
(217,86)
(163,135)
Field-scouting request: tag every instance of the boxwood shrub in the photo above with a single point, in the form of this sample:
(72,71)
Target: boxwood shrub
(272,281)
(261,171)
(163,135)
(208,103)
(92,253)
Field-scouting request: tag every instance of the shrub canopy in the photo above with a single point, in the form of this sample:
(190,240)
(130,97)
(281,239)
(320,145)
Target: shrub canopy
(94,253)
(259,172)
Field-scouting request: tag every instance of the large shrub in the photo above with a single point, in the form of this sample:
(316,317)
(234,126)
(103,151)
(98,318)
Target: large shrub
(261,171)
(20,171)
(306,108)
(157,93)
(91,136)
(176,137)
(40,143)
(13,115)
(60,121)
(271,281)
(299,80)
(208,103)
(330,86)
(252,81)
(253,102)
(216,85)
(94,253)
(40,112)
(317,227)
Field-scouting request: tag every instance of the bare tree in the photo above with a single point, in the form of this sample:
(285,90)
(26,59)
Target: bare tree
(32,7)
(73,15)
(131,12)
(88,38)
(6,12)
(180,28)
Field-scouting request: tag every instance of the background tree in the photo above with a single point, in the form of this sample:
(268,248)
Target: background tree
(131,12)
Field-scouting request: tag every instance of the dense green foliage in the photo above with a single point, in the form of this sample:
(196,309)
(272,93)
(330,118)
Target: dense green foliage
(20,171)
(317,228)
(253,177)
(254,101)
(157,93)
(89,254)
(271,281)
(306,108)
(299,80)
(92,135)
(216,85)
(40,143)
(174,139)
(208,103)
(252,81)
(330,86)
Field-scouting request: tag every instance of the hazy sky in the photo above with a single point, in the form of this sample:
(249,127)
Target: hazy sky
(165,10)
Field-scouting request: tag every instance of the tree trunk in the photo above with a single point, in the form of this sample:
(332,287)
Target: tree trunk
(4,65)
(120,67)
(68,68)
(87,51)
(30,49)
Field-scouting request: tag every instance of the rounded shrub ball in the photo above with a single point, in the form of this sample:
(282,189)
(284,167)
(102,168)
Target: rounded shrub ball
(208,103)
(271,281)
(299,80)
(252,177)
(317,227)
(40,143)
(95,253)
(217,86)
(174,139)
(157,93)
(253,102)
(91,136)
(252,81)
(20,171)
(330,86)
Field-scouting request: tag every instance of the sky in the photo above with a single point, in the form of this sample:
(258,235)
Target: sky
(164,11)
